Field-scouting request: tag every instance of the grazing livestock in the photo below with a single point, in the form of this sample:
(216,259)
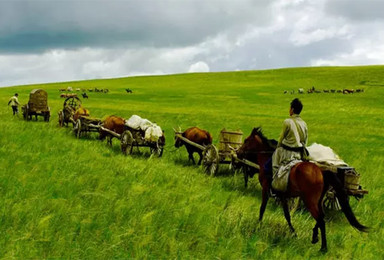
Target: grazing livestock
(84,95)
(348,91)
(81,111)
(64,95)
(69,89)
(301,91)
(113,123)
(196,135)
(128,90)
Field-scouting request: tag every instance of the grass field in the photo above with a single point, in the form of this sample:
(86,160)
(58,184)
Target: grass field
(63,197)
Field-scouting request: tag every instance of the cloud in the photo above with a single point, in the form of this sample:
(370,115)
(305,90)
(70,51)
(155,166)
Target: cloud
(356,10)
(199,66)
(38,26)
(45,41)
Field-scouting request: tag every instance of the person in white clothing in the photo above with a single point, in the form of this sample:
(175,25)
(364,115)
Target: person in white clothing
(14,102)
(293,139)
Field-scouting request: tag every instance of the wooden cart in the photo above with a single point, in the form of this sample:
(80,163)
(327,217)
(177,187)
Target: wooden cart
(350,179)
(229,141)
(71,104)
(132,137)
(86,124)
(128,139)
(37,105)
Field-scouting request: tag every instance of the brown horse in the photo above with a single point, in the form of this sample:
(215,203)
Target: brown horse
(306,181)
(196,135)
(113,123)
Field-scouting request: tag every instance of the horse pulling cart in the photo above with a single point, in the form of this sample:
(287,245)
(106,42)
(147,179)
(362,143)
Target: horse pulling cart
(37,105)
(229,141)
(128,139)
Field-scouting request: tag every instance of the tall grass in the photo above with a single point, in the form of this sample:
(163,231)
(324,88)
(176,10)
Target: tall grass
(63,197)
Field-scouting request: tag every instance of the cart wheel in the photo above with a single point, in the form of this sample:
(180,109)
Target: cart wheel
(73,102)
(293,204)
(211,160)
(126,142)
(77,128)
(61,118)
(157,150)
(330,201)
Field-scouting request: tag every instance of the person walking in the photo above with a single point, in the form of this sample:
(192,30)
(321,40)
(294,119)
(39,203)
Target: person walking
(14,102)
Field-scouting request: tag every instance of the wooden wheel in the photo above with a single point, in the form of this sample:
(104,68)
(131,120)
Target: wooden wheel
(61,118)
(157,149)
(126,142)
(73,102)
(77,128)
(330,201)
(211,160)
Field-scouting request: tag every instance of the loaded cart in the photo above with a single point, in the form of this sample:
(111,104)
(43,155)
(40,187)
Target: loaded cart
(71,104)
(141,132)
(37,105)
(137,132)
(229,142)
(328,160)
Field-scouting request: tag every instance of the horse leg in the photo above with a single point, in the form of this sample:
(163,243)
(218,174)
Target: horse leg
(287,215)
(265,197)
(317,213)
(323,236)
(201,158)
(110,140)
(315,235)
(246,178)
(191,158)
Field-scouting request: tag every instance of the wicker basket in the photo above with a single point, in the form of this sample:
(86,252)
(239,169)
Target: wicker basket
(350,178)
(229,139)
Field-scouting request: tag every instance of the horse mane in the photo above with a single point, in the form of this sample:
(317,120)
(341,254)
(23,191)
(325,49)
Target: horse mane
(272,143)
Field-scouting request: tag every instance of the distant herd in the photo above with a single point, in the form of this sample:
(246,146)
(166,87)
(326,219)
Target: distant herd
(314,90)
(84,91)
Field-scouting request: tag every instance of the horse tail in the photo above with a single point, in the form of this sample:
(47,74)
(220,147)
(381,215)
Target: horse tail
(341,195)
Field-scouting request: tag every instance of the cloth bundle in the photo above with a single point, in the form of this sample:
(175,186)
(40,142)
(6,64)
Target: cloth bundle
(152,131)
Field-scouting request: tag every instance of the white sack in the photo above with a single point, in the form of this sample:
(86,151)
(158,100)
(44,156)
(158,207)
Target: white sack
(325,155)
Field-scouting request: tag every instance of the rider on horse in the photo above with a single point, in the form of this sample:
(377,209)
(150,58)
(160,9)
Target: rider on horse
(291,146)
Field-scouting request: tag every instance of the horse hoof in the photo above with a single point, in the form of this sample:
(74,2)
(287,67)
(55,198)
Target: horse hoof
(315,240)
(323,250)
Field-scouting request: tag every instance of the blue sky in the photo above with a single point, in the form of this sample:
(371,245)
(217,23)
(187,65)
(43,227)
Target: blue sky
(50,41)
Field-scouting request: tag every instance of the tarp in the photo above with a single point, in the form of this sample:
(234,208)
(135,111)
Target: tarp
(324,155)
(152,131)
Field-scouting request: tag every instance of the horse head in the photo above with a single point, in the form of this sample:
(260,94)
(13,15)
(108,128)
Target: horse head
(178,141)
(255,143)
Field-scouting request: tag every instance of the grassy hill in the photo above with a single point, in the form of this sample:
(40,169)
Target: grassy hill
(63,197)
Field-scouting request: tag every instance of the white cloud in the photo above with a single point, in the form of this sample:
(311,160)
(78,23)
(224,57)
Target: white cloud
(199,66)
(185,37)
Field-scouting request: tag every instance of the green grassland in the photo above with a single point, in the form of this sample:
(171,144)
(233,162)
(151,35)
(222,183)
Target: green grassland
(63,197)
